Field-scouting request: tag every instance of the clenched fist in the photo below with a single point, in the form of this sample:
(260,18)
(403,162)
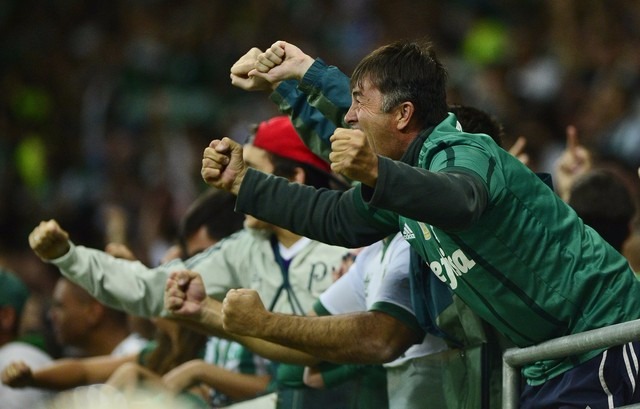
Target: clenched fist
(243,312)
(241,69)
(185,294)
(223,166)
(352,156)
(17,375)
(49,241)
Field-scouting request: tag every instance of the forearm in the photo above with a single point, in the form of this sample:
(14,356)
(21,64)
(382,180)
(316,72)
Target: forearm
(361,338)
(328,91)
(210,322)
(276,352)
(316,105)
(312,126)
(70,373)
(121,284)
(235,385)
(324,215)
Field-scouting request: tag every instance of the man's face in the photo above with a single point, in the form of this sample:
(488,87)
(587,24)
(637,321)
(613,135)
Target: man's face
(379,127)
(199,241)
(258,159)
(69,315)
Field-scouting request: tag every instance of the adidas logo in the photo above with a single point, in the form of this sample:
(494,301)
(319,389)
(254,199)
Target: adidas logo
(407,233)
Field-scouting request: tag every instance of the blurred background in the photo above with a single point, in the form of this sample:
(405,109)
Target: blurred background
(106,105)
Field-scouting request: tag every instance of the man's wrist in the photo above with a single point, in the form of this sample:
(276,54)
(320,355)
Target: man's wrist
(237,183)
(303,67)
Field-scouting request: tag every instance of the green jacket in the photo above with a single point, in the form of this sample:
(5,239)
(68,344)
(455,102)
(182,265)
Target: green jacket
(489,228)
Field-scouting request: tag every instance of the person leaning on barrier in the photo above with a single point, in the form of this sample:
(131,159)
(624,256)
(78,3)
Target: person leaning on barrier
(511,249)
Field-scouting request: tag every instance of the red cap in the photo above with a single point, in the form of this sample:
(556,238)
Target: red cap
(278,136)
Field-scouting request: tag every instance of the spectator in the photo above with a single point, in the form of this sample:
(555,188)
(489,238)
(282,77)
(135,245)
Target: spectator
(603,202)
(288,271)
(86,327)
(404,148)
(173,345)
(13,296)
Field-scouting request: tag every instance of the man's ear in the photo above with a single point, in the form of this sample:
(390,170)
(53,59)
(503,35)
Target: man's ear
(300,176)
(404,114)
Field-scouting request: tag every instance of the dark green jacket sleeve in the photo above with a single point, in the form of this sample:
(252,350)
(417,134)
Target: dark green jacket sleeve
(329,216)
(449,200)
(317,105)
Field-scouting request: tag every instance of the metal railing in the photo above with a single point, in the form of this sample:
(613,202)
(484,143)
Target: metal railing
(514,358)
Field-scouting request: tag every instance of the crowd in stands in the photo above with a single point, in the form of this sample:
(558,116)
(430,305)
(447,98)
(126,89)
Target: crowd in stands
(108,105)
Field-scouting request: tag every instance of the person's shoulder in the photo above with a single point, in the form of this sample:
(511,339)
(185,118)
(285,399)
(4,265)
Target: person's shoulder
(23,351)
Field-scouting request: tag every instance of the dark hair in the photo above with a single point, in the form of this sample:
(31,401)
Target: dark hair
(474,120)
(213,209)
(603,201)
(407,71)
(287,167)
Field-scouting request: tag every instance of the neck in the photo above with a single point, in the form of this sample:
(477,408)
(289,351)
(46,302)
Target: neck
(285,237)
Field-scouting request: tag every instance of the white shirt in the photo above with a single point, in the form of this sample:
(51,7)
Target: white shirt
(21,398)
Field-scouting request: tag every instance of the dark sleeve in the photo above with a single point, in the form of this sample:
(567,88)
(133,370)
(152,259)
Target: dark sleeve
(316,105)
(450,200)
(330,216)
(314,129)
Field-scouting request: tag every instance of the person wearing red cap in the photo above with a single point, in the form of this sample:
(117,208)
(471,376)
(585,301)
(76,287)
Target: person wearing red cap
(278,136)
(287,270)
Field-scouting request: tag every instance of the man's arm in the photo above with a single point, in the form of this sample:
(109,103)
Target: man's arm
(64,373)
(370,337)
(187,302)
(314,95)
(122,284)
(334,217)
(367,337)
(236,385)
(338,218)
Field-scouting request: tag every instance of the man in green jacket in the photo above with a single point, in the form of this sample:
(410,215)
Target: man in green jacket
(486,225)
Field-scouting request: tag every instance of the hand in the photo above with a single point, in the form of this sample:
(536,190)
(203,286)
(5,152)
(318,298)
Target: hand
(240,73)
(185,294)
(17,375)
(223,166)
(517,150)
(243,312)
(352,156)
(574,162)
(119,251)
(49,241)
(282,61)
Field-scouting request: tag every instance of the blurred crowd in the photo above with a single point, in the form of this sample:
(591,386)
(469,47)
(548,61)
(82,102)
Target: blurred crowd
(107,105)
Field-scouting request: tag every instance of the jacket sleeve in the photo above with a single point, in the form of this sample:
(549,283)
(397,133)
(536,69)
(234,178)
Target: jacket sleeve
(450,199)
(317,105)
(139,290)
(330,216)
